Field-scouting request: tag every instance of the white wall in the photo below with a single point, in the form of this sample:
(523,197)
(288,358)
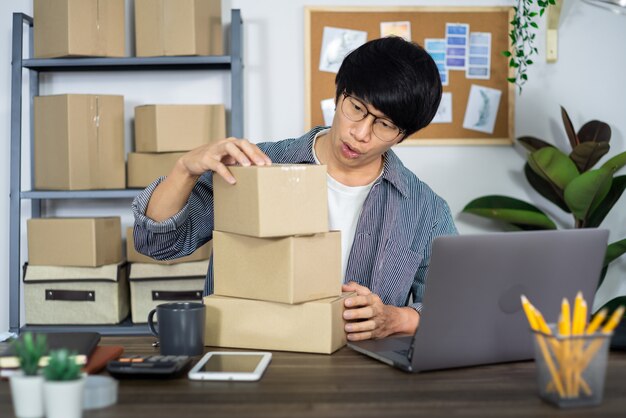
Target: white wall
(587,80)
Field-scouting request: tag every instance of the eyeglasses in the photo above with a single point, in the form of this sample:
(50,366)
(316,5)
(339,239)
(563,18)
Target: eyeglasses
(356,111)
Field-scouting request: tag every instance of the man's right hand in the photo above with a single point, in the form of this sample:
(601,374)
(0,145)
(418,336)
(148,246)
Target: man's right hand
(217,156)
(172,194)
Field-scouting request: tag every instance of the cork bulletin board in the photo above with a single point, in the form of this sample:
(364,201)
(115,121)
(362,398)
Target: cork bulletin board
(425,22)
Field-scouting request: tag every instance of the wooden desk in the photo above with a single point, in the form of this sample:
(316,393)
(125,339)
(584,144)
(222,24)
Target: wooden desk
(347,384)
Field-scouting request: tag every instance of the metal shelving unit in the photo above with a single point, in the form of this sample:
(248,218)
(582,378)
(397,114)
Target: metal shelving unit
(232,63)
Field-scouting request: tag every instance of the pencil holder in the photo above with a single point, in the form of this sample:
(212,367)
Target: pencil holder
(571,370)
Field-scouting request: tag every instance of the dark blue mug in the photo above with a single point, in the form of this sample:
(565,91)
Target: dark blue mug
(181,328)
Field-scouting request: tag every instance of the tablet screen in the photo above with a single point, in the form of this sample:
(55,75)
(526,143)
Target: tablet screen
(231,363)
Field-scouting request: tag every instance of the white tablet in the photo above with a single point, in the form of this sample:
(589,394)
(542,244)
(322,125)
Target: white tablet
(226,365)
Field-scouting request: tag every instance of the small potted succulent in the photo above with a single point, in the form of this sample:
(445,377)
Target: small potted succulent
(27,386)
(63,386)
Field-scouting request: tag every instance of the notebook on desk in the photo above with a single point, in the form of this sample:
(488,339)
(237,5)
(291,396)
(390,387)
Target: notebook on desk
(81,344)
(472,313)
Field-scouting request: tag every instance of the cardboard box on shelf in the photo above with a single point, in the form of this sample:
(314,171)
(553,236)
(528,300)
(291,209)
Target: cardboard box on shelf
(291,269)
(202,253)
(169,128)
(79,142)
(272,201)
(178,27)
(144,168)
(75,295)
(86,242)
(312,327)
(79,28)
(153,284)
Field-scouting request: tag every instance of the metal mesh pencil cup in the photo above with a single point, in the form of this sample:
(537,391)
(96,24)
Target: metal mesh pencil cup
(571,370)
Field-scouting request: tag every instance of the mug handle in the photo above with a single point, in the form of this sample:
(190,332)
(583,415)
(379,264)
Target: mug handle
(151,323)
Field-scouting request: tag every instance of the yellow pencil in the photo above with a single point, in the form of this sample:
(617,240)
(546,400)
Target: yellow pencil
(614,320)
(566,318)
(580,312)
(578,328)
(532,314)
(565,330)
(528,310)
(606,329)
(541,322)
(596,321)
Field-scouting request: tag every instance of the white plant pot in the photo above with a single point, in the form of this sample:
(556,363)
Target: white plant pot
(27,394)
(64,399)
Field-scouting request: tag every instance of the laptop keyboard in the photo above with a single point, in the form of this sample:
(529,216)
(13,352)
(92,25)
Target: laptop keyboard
(403,352)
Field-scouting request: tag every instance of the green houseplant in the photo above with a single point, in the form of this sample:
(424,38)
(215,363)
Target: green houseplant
(29,351)
(27,386)
(63,388)
(569,181)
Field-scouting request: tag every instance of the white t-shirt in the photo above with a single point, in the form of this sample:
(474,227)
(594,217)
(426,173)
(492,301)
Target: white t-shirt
(344,208)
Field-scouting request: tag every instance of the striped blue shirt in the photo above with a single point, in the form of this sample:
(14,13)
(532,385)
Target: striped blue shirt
(392,245)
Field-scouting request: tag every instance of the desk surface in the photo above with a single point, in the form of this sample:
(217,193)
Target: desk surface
(346,384)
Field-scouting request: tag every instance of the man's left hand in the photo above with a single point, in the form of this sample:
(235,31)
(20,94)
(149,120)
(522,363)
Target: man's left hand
(368,317)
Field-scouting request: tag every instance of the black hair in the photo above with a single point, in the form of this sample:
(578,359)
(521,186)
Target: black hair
(397,77)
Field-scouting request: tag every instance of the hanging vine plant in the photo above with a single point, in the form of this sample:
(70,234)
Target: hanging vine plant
(522,38)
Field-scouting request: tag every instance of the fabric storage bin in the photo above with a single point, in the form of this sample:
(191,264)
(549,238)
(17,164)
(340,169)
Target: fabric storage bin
(153,284)
(75,295)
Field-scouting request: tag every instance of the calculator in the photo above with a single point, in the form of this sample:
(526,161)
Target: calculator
(148,366)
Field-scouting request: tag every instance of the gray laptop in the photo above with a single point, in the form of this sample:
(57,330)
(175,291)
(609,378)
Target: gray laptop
(472,313)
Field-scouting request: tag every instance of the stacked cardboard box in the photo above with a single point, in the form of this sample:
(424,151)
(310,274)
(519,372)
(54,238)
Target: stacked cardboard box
(65,28)
(277,268)
(79,142)
(71,28)
(153,282)
(178,27)
(76,272)
(164,132)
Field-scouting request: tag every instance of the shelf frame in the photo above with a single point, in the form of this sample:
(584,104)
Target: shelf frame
(124,328)
(129,63)
(21,23)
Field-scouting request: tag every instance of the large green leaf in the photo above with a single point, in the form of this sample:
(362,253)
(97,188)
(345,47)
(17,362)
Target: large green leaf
(569,128)
(614,251)
(553,165)
(597,216)
(594,131)
(513,211)
(585,193)
(616,162)
(545,188)
(614,303)
(533,144)
(586,154)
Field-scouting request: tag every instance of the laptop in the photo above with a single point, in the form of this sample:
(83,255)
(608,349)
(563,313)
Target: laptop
(472,313)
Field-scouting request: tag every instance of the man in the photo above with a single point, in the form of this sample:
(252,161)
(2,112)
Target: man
(386,90)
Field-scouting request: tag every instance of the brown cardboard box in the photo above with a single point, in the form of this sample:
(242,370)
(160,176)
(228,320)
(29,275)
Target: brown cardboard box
(202,253)
(79,28)
(152,284)
(86,242)
(285,269)
(144,168)
(167,128)
(312,327)
(76,295)
(79,142)
(272,201)
(178,27)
